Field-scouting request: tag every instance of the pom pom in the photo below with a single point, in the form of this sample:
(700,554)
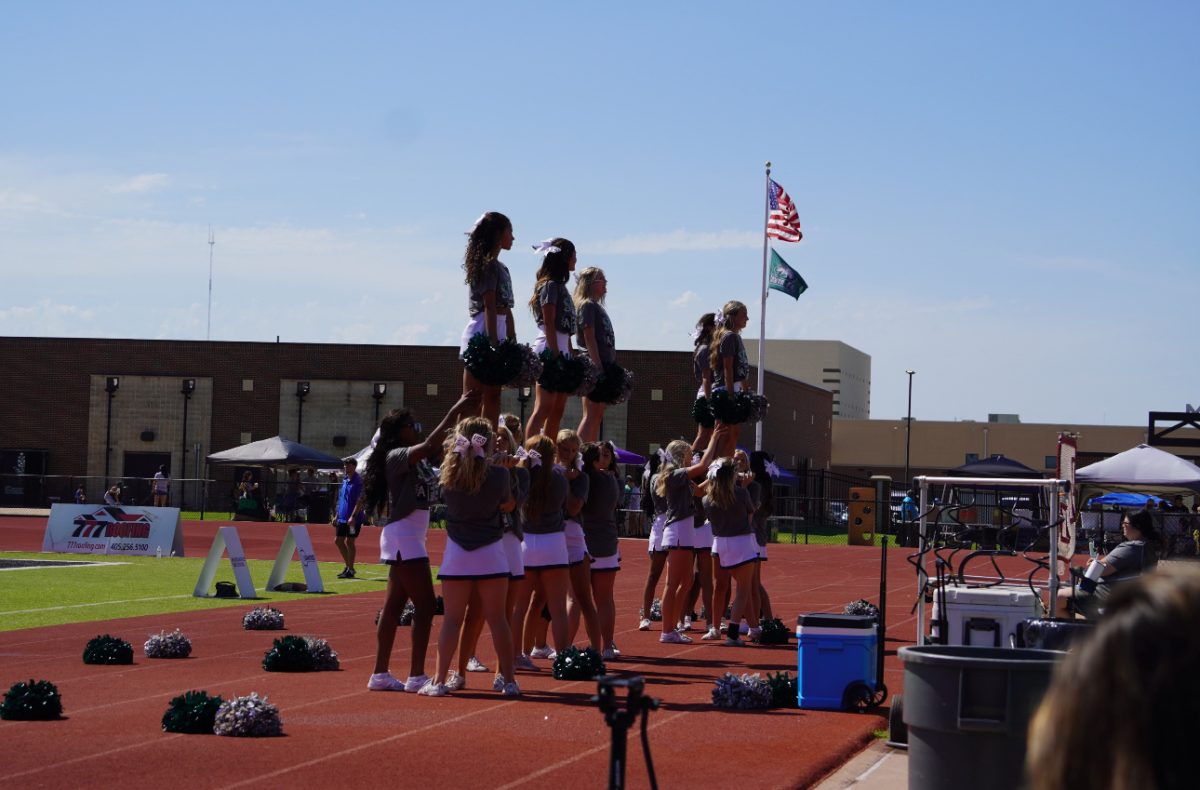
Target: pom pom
(164,645)
(773,632)
(724,407)
(289,654)
(613,386)
(37,700)
(575,375)
(656,611)
(248,717)
(576,664)
(742,692)
(323,657)
(504,364)
(739,407)
(755,406)
(439,606)
(863,608)
(529,369)
(108,650)
(785,692)
(702,413)
(404,618)
(191,712)
(263,619)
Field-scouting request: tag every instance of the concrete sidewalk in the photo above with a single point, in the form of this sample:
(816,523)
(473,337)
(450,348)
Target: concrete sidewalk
(877,767)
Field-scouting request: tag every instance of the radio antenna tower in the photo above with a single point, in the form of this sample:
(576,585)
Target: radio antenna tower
(211,241)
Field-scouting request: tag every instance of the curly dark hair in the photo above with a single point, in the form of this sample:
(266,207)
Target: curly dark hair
(481,243)
(758,467)
(556,267)
(375,487)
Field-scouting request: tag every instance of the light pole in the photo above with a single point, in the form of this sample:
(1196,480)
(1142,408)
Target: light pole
(111,385)
(523,398)
(186,390)
(378,390)
(302,389)
(908,434)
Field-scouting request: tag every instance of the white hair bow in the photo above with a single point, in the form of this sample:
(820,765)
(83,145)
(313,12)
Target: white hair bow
(695,333)
(772,469)
(664,457)
(719,316)
(579,461)
(696,458)
(546,247)
(535,458)
(521,454)
(476,443)
(714,468)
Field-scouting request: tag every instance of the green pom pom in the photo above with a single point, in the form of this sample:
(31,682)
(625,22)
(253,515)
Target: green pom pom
(702,413)
(576,664)
(108,650)
(785,691)
(191,712)
(774,632)
(289,654)
(37,700)
(499,365)
(613,386)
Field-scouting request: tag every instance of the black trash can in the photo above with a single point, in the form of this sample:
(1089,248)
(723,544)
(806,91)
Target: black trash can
(967,710)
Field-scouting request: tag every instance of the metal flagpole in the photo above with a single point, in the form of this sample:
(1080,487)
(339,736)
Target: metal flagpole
(762,310)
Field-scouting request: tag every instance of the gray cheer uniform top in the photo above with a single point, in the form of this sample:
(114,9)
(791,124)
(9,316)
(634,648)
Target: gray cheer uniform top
(577,488)
(519,484)
(599,514)
(495,277)
(732,346)
(734,520)
(473,519)
(701,361)
(550,520)
(594,315)
(759,520)
(409,487)
(678,500)
(557,294)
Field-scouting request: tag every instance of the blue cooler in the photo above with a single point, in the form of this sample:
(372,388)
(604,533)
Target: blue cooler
(835,652)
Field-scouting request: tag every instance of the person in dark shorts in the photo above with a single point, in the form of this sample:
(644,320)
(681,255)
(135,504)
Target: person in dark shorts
(348,519)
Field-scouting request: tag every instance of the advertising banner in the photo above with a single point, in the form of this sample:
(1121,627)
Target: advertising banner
(114,529)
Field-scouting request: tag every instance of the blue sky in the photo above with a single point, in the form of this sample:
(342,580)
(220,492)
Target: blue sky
(1002,197)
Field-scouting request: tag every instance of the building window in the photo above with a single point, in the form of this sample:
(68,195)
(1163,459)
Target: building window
(831,370)
(831,381)
(655,395)
(972,458)
(431,389)
(247,386)
(245,437)
(1051,462)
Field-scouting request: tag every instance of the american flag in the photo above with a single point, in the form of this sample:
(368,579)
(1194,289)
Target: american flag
(783,222)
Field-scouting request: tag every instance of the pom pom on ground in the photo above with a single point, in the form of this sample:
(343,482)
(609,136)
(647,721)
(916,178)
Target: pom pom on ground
(863,608)
(37,700)
(323,657)
(742,692)
(289,654)
(108,650)
(773,632)
(404,618)
(656,611)
(702,413)
(785,691)
(164,645)
(263,619)
(613,386)
(192,712)
(576,664)
(248,717)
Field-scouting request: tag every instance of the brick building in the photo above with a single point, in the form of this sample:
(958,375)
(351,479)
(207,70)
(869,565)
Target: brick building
(55,407)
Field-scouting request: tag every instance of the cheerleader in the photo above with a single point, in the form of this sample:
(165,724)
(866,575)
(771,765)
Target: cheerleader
(596,336)
(657,513)
(490,301)
(702,368)
(762,492)
(476,492)
(673,484)
(730,367)
(554,312)
(544,548)
(473,625)
(728,507)
(578,483)
(599,520)
(398,480)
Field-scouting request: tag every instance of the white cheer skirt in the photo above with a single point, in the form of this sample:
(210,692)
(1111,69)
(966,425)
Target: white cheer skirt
(485,562)
(404,540)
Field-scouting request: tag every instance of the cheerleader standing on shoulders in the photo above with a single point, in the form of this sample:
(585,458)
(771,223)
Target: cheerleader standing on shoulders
(544,547)
(554,313)
(596,336)
(729,508)
(673,484)
(398,479)
(702,368)
(475,492)
(658,555)
(599,519)
(490,301)
(730,366)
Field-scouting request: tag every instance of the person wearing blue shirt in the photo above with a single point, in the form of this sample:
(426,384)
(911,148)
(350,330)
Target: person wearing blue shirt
(348,518)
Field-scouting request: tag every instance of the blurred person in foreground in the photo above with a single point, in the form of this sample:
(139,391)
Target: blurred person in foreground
(1120,711)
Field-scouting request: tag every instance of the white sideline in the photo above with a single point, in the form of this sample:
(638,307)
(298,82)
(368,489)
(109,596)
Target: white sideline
(75,564)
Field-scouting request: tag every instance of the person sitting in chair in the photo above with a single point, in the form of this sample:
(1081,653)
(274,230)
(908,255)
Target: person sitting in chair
(1136,554)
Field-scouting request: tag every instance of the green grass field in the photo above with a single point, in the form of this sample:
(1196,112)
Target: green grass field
(140,586)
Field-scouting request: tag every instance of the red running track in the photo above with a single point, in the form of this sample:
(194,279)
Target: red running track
(337,732)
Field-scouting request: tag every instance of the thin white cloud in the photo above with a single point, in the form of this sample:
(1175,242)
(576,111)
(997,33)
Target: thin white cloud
(685,299)
(146,182)
(677,241)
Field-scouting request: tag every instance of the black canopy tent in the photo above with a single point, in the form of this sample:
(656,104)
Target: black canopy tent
(270,454)
(988,504)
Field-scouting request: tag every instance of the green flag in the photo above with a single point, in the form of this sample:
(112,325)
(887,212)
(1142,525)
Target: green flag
(784,278)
